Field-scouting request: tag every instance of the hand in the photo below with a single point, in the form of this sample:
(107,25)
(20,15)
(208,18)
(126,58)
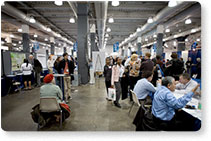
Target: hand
(159,81)
(177,82)
(112,86)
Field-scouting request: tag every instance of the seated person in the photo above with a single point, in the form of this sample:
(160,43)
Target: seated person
(144,86)
(165,103)
(186,84)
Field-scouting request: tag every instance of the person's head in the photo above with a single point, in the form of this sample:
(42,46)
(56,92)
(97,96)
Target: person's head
(147,55)
(174,56)
(198,59)
(148,75)
(119,60)
(108,61)
(181,59)
(169,82)
(158,57)
(189,58)
(65,55)
(58,59)
(48,78)
(184,78)
(50,57)
(31,57)
(25,61)
(167,60)
(134,57)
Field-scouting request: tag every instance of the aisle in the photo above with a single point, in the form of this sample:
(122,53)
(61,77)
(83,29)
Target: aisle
(90,111)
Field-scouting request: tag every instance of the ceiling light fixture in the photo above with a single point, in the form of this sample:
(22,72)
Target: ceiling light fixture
(175,36)
(108,29)
(186,40)
(154,36)
(59,35)
(175,43)
(167,30)
(2,42)
(188,21)
(115,3)
(172,3)
(46,39)
(35,36)
(107,35)
(138,29)
(20,30)
(111,20)
(58,2)
(198,40)
(14,44)
(48,29)
(193,30)
(72,20)
(146,39)
(19,42)
(150,20)
(32,20)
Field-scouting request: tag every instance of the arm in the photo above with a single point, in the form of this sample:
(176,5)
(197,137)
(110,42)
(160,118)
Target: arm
(150,87)
(112,76)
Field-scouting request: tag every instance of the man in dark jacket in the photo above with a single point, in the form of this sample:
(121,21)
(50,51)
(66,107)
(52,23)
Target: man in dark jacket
(107,74)
(147,65)
(37,66)
(66,67)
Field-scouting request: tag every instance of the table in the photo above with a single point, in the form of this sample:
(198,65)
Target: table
(61,84)
(197,113)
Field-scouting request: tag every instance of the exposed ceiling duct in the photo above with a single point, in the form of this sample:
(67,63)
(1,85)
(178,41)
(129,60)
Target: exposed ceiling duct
(160,17)
(101,15)
(12,11)
(73,7)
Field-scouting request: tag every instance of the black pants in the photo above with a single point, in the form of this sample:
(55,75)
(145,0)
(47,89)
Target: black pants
(133,81)
(108,85)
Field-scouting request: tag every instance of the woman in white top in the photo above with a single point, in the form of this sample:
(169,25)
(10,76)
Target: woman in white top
(50,64)
(26,68)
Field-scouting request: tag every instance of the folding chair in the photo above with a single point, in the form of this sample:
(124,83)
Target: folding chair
(48,105)
(135,100)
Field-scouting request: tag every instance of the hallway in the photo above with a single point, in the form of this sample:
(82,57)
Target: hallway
(90,111)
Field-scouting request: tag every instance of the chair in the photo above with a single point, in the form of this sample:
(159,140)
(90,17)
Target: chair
(48,105)
(135,100)
(17,84)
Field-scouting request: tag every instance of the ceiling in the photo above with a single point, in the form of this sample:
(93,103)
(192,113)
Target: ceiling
(128,16)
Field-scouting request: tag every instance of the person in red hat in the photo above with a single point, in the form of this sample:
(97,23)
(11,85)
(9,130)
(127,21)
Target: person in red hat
(49,89)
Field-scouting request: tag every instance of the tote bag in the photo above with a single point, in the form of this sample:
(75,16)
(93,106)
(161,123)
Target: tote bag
(112,94)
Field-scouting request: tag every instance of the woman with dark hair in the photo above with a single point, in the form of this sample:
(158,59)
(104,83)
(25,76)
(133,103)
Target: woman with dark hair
(26,68)
(56,64)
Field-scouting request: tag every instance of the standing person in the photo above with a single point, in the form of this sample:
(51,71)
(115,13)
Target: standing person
(147,65)
(37,67)
(188,65)
(72,66)
(56,64)
(165,103)
(26,68)
(117,72)
(198,68)
(107,74)
(125,83)
(50,64)
(65,67)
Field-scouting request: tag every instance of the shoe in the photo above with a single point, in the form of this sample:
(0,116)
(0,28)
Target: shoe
(108,99)
(69,97)
(117,105)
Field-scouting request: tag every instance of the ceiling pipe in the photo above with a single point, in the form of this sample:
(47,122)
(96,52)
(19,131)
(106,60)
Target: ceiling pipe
(12,11)
(163,14)
(101,15)
(71,4)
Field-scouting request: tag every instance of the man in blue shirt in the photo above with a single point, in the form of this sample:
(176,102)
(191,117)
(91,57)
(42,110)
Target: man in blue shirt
(165,103)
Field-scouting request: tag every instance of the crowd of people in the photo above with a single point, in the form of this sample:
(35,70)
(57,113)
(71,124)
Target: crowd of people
(143,76)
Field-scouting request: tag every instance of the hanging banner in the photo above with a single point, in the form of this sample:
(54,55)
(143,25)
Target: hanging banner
(116,47)
(36,46)
(75,47)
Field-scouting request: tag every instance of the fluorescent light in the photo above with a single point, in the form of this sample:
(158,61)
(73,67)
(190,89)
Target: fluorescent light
(107,35)
(188,21)
(150,20)
(198,40)
(193,30)
(14,44)
(46,39)
(59,44)
(106,39)
(172,3)
(131,35)
(115,3)
(146,39)
(175,43)
(35,36)
(111,20)
(4,48)
(12,36)
(138,29)
(186,40)
(72,20)
(166,45)
(108,29)
(32,20)
(19,42)
(155,36)
(180,30)
(167,30)
(2,42)
(20,30)
(48,29)
(175,36)
(58,2)
(59,35)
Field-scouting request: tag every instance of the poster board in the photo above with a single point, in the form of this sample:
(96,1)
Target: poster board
(43,60)
(17,60)
(98,61)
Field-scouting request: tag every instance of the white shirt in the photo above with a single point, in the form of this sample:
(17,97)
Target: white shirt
(127,62)
(121,70)
(184,89)
(50,64)
(27,70)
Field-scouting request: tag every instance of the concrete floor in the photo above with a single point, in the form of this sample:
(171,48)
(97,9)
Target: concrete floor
(90,111)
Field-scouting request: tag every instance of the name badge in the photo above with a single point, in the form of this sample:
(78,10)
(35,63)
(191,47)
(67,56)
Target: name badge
(109,67)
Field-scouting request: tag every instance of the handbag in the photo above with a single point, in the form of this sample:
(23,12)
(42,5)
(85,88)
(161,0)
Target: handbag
(112,94)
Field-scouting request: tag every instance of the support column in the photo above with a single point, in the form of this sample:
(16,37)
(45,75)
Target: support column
(82,54)
(65,49)
(139,45)
(159,44)
(25,36)
(47,54)
(52,45)
(181,44)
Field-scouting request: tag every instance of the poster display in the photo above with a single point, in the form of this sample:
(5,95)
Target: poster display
(42,59)
(17,60)
(98,60)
